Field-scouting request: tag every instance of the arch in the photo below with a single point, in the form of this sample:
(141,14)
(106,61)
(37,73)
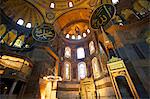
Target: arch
(65,19)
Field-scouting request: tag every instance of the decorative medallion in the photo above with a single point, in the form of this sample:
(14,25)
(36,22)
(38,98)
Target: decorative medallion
(102,15)
(44,33)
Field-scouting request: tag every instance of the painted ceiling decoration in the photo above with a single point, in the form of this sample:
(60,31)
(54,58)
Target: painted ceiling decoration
(66,16)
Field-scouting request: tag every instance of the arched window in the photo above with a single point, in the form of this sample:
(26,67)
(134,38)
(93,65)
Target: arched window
(80,53)
(91,47)
(20,22)
(115,1)
(81,70)
(28,25)
(95,66)
(52,5)
(67,36)
(67,52)
(67,66)
(70,4)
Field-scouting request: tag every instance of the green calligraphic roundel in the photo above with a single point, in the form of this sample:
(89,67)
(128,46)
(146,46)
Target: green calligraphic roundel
(44,33)
(102,15)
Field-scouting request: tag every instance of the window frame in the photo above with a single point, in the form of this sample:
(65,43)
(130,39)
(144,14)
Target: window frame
(96,67)
(85,67)
(69,64)
(91,44)
(66,49)
(79,53)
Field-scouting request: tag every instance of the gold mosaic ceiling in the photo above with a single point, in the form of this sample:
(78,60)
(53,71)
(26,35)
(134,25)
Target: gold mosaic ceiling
(39,11)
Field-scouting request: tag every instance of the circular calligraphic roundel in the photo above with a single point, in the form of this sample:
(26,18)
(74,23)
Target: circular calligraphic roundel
(102,15)
(44,33)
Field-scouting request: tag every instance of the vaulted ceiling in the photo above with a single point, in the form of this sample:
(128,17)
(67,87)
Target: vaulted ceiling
(62,13)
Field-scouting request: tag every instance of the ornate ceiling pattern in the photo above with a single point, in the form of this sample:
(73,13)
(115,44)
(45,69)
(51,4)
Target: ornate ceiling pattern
(61,14)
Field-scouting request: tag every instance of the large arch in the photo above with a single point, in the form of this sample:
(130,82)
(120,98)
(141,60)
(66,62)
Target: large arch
(71,17)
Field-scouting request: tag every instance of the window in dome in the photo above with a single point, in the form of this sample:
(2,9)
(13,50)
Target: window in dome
(121,24)
(73,37)
(52,5)
(68,52)
(80,53)
(115,1)
(70,4)
(20,22)
(84,34)
(67,36)
(28,25)
(95,66)
(79,37)
(88,30)
(82,70)
(67,70)
(91,47)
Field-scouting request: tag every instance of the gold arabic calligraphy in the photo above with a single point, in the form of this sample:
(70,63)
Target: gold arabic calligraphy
(100,21)
(44,34)
(103,19)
